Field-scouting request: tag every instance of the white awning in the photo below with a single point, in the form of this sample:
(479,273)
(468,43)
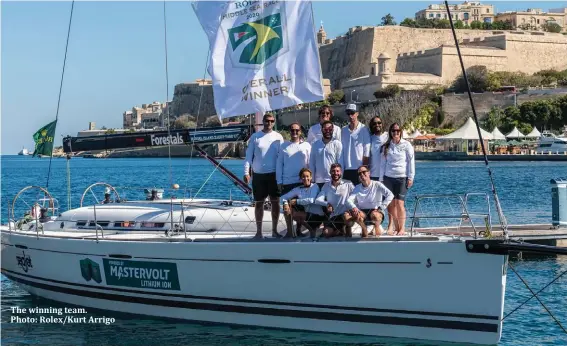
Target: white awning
(534,134)
(467,131)
(496,134)
(416,133)
(515,134)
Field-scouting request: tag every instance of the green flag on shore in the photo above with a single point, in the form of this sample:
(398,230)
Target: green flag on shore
(44,139)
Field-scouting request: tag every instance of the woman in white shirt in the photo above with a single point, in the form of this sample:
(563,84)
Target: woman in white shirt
(397,172)
(299,205)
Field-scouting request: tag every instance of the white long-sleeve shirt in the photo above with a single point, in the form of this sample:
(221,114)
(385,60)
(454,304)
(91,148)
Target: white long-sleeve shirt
(373,196)
(399,161)
(322,157)
(262,152)
(306,197)
(335,196)
(316,134)
(356,145)
(376,143)
(292,157)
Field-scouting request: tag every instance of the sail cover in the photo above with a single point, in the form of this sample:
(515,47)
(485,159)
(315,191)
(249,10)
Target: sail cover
(263,54)
(236,133)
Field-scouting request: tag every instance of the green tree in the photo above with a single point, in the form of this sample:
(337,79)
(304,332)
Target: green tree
(109,132)
(388,20)
(487,26)
(551,27)
(476,25)
(409,23)
(212,121)
(336,96)
(443,24)
(388,92)
(478,80)
(458,24)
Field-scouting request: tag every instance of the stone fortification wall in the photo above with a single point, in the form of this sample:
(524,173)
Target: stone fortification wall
(536,52)
(186,101)
(426,61)
(347,56)
(493,58)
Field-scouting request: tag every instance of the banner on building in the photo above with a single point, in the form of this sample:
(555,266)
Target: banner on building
(263,54)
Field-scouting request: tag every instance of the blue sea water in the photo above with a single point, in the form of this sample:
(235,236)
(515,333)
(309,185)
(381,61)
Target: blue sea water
(523,188)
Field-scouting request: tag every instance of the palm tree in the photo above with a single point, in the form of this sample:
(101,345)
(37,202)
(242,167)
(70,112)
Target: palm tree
(388,20)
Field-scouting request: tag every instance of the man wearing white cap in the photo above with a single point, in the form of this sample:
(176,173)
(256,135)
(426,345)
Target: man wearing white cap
(356,145)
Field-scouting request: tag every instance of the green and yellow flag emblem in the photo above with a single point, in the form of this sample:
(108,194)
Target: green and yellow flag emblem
(43,139)
(263,39)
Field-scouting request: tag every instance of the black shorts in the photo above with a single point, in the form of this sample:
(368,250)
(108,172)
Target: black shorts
(335,222)
(398,186)
(298,208)
(352,175)
(264,185)
(367,212)
(288,187)
(375,178)
(320,186)
(314,220)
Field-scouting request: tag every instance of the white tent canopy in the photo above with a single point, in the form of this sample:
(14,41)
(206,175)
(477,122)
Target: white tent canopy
(534,134)
(496,134)
(468,131)
(515,134)
(416,133)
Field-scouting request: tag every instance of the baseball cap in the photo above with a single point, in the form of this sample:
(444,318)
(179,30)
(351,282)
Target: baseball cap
(351,107)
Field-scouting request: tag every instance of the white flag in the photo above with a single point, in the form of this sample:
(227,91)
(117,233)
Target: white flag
(264,54)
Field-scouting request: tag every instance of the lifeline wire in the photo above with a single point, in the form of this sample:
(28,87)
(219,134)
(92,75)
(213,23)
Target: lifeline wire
(538,292)
(503,222)
(61,87)
(536,297)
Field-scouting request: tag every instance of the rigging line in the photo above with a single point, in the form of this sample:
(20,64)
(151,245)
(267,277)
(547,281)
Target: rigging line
(197,120)
(536,297)
(503,222)
(167,95)
(60,87)
(538,292)
(209,177)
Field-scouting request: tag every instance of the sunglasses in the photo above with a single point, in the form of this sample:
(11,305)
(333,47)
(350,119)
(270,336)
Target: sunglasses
(269,121)
(295,130)
(362,172)
(325,113)
(396,131)
(376,123)
(350,112)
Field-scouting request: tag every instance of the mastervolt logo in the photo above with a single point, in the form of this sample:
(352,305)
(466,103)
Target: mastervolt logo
(254,43)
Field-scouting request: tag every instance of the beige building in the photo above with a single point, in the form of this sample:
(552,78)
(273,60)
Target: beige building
(466,12)
(148,116)
(535,18)
(415,58)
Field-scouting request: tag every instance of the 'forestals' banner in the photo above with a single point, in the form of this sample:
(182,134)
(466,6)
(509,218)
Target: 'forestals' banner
(263,56)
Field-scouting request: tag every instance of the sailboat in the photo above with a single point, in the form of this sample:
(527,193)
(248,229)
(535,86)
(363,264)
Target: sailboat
(24,152)
(197,259)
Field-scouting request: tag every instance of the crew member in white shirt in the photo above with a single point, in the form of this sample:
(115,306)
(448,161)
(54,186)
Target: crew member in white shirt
(356,145)
(333,198)
(299,205)
(367,202)
(315,133)
(397,172)
(261,159)
(324,153)
(292,157)
(377,139)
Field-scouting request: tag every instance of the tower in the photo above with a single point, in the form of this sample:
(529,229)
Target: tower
(321,35)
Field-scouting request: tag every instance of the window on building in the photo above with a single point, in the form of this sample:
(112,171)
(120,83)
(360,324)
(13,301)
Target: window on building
(487,10)
(466,15)
(431,15)
(444,16)
(438,15)
(538,21)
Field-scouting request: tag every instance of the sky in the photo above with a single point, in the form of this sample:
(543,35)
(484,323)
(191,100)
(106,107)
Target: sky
(116,57)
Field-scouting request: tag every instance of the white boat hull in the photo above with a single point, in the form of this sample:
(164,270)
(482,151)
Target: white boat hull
(422,289)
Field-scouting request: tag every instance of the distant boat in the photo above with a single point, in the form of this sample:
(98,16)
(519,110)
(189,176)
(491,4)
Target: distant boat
(549,143)
(24,151)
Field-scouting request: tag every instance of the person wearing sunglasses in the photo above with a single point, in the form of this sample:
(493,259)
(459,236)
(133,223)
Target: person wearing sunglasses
(315,132)
(356,145)
(324,153)
(397,172)
(367,203)
(292,157)
(260,164)
(333,198)
(377,138)
(299,206)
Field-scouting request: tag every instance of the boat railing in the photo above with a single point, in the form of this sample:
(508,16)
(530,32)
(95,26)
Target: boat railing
(459,209)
